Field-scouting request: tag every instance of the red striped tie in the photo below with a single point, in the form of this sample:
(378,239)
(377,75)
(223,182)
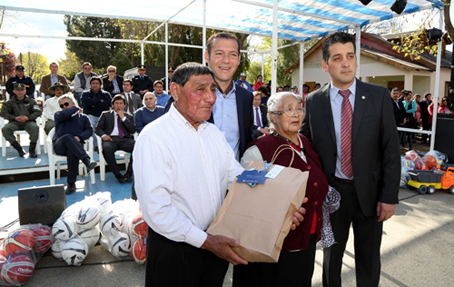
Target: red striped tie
(346,134)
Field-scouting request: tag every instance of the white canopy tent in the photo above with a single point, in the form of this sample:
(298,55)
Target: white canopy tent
(298,20)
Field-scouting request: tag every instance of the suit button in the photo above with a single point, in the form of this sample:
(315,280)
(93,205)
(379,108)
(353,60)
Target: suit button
(315,203)
(308,167)
(315,184)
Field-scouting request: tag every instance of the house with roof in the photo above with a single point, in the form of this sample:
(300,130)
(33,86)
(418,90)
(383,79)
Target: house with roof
(382,65)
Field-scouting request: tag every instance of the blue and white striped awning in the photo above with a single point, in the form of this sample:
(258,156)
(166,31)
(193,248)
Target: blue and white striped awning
(299,20)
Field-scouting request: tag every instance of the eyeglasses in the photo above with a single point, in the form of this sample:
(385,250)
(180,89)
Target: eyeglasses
(111,71)
(64,105)
(445,100)
(290,112)
(87,68)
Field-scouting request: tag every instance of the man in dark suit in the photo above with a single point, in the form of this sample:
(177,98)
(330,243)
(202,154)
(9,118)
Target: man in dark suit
(232,110)
(351,126)
(399,111)
(424,104)
(260,116)
(72,128)
(133,101)
(112,83)
(116,128)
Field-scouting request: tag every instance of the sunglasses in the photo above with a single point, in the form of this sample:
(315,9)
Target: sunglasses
(64,105)
(111,71)
(445,100)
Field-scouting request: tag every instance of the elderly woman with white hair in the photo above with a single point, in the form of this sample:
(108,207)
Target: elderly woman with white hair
(296,261)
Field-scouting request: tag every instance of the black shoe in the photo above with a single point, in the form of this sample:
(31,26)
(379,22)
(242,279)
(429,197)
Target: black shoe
(19,149)
(32,150)
(128,178)
(71,188)
(120,178)
(91,166)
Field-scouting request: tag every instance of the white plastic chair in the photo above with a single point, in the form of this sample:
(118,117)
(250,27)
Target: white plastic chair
(57,159)
(3,122)
(102,161)
(42,133)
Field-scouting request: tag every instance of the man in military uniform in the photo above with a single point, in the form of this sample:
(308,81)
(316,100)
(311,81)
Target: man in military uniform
(21,111)
(142,83)
(20,78)
(169,77)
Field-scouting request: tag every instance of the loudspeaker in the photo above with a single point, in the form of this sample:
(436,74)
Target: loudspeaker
(444,137)
(42,204)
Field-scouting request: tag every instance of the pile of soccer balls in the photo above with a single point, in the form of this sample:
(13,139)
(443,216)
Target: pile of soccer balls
(20,251)
(124,231)
(76,231)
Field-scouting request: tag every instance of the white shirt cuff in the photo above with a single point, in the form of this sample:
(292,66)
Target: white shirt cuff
(195,236)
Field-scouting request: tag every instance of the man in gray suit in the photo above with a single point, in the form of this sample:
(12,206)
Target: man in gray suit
(352,127)
(131,97)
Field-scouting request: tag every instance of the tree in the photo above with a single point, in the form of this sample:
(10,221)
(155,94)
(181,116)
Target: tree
(99,54)
(8,62)
(36,65)
(69,66)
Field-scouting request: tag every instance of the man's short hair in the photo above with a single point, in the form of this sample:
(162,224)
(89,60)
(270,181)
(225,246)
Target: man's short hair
(396,89)
(406,92)
(87,64)
(263,90)
(185,71)
(158,82)
(257,93)
(129,81)
(427,94)
(53,63)
(338,37)
(117,98)
(111,66)
(70,99)
(96,79)
(223,35)
(287,86)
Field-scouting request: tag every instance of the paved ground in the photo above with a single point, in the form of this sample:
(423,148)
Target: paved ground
(416,251)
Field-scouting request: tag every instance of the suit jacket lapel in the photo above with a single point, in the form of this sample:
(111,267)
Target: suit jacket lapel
(325,104)
(361,98)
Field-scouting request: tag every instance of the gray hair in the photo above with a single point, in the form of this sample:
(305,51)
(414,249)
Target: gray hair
(275,100)
(115,68)
(69,97)
(143,100)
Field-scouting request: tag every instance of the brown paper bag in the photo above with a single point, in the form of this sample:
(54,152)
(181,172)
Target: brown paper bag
(261,217)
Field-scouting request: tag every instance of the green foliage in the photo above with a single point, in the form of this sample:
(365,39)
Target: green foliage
(8,62)
(99,54)
(36,65)
(69,66)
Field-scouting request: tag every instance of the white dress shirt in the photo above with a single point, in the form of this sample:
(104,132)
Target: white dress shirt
(115,129)
(50,107)
(254,110)
(182,175)
(336,108)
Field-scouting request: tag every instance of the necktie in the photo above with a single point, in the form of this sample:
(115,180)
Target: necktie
(130,107)
(257,117)
(346,134)
(120,131)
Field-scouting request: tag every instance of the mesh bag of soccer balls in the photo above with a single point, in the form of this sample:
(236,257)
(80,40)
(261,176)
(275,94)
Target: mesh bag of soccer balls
(76,232)
(124,231)
(20,251)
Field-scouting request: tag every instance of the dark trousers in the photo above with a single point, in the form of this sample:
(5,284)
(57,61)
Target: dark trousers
(367,240)
(293,269)
(425,126)
(74,151)
(175,264)
(110,147)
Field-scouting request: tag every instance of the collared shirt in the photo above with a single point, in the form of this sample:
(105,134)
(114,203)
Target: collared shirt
(181,176)
(257,109)
(53,79)
(225,115)
(51,106)
(116,89)
(336,108)
(115,129)
(162,99)
(128,97)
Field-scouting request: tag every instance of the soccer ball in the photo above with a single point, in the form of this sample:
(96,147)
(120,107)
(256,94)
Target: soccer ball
(64,228)
(74,251)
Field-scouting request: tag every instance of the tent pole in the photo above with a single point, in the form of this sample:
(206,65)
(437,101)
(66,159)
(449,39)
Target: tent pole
(141,54)
(301,74)
(263,76)
(204,32)
(358,50)
(167,57)
(274,48)
(437,86)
